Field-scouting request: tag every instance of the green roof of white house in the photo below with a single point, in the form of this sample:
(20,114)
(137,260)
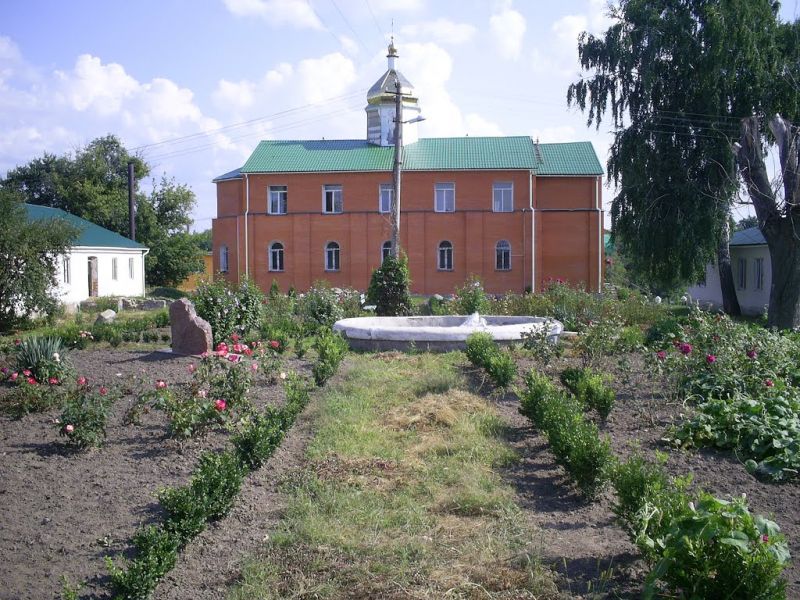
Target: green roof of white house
(430,154)
(90,235)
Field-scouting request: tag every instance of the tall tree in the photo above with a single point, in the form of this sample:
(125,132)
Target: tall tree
(29,255)
(92,183)
(677,76)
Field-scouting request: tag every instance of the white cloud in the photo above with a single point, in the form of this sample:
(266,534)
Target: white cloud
(442,30)
(91,85)
(296,13)
(508,31)
(477,125)
(234,96)
(568,28)
(397,5)
(349,45)
(559,133)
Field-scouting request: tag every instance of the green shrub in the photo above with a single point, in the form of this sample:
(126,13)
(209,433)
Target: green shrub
(319,307)
(541,348)
(298,393)
(661,333)
(574,441)
(45,357)
(480,347)
(501,368)
(631,339)
(590,389)
(209,496)
(229,308)
(279,316)
(29,396)
(156,553)
(389,288)
(258,438)
(331,349)
(83,418)
(471,297)
(717,549)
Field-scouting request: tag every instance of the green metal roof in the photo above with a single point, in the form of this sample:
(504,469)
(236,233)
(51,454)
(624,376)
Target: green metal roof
(90,234)
(431,154)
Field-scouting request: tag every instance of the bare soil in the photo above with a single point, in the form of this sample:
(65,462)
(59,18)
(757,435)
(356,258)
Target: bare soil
(580,539)
(63,511)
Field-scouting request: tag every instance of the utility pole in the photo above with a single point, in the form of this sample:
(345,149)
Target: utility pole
(131,202)
(398,162)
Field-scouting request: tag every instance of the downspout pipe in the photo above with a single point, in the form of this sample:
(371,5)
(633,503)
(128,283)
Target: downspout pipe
(246,213)
(144,283)
(533,231)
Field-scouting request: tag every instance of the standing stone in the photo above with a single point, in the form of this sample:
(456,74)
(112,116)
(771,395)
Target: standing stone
(105,317)
(190,333)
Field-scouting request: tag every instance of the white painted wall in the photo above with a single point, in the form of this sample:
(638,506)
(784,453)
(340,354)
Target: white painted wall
(751,300)
(77,289)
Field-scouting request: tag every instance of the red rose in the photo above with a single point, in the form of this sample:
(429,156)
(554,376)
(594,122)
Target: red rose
(220,404)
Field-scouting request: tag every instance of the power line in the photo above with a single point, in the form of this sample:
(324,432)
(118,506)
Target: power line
(374,20)
(346,22)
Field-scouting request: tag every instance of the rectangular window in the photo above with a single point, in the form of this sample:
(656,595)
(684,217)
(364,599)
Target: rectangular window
(742,273)
(758,276)
(67,270)
(503,197)
(223,259)
(278,196)
(386,196)
(445,197)
(332,199)
(114,268)
(130,268)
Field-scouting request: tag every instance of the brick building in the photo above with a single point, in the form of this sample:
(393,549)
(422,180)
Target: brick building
(508,209)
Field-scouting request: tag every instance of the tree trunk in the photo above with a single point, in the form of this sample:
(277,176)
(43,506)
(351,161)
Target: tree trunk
(776,219)
(730,303)
(784,294)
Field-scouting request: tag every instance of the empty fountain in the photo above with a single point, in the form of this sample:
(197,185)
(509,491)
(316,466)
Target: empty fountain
(439,334)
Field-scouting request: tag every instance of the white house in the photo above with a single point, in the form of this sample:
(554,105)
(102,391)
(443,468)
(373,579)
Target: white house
(101,263)
(752,274)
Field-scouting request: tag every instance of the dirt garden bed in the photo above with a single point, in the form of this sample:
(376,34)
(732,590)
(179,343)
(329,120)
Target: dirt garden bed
(66,510)
(581,539)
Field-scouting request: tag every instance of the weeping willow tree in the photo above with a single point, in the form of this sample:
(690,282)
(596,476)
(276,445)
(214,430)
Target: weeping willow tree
(676,78)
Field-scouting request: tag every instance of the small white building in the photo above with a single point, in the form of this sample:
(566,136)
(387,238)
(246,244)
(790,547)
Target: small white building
(100,263)
(752,274)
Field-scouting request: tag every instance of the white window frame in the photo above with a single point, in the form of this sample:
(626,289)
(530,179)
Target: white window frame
(67,266)
(333,256)
(114,268)
(130,267)
(758,273)
(337,199)
(223,259)
(277,257)
(382,189)
(506,191)
(505,249)
(742,274)
(386,250)
(448,205)
(445,252)
(281,197)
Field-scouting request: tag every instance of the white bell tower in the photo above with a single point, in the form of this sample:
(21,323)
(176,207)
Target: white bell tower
(381,106)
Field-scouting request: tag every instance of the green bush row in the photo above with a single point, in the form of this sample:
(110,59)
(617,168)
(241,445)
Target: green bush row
(574,440)
(209,496)
(331,349)
(483,351)
(590,389)
(699,546)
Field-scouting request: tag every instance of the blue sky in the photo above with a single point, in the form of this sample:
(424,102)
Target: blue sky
(152,72)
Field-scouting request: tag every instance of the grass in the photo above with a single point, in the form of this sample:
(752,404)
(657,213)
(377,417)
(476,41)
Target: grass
(400,496)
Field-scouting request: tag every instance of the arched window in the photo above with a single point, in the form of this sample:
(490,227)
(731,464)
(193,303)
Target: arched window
(276,256)
(332,256)
(223,259)
(445,256)
(386,250)
(502,256)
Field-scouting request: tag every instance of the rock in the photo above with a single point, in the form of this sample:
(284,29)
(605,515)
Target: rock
(105,317)
(190,333)
(129,303)
(153,304)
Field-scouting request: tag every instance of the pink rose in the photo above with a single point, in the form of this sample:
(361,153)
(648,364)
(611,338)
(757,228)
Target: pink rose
(160,384)
(248,352)
(235,337)
(220,404)
(31,380)
(752,354)
(26,372)
(82,380)
(192,368)
(685,348)
(103,390)
(53,381)
(237,347)
(254,367)
(222,347)
(769,383)
(17,342)
(202,393)
(274,344)
(14,376)
(222,353)
(204,354)
(711,359)
(661,355)
(69,428)
(765,538)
